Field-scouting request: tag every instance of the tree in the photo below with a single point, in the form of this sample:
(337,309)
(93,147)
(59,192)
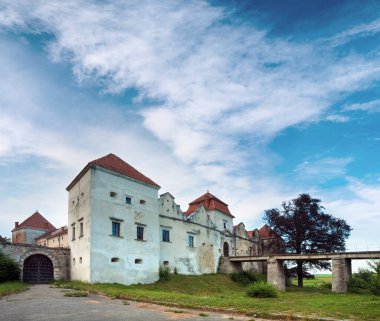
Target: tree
(305,228)
(4,239)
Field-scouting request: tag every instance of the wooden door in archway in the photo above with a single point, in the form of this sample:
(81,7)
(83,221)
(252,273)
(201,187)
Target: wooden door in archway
(38,268)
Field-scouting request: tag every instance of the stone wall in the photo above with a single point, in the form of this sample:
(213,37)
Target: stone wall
(60,257)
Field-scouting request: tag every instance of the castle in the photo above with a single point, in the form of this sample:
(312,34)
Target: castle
(121,231)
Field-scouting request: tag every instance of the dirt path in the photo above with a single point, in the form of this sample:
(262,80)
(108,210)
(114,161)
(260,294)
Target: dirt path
(43,302)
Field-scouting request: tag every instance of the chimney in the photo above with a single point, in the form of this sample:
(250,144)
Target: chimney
(16,224)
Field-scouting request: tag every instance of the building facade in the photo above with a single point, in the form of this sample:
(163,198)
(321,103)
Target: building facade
(29,230)
(121,231)
(55,238)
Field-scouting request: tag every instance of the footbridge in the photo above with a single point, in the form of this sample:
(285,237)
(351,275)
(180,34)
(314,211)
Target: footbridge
(341,265)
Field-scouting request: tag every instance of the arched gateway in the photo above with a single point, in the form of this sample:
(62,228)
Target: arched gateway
(38,268)
(39,264)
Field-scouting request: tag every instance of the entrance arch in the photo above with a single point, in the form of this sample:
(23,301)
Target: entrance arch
(38,268)
(226,249)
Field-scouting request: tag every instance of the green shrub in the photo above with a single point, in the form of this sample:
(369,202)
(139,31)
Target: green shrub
(262,290)
(244,278)
(366,280)
(9,269)
(164,273)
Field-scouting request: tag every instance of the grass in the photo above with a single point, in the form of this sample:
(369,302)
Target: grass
(320,280)
(76,294)
(219,292)
(10,287)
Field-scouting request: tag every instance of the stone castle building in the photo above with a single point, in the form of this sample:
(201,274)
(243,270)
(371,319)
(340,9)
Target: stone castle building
(121,230)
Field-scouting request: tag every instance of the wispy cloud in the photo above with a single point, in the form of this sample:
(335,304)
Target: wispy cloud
(322,170)
(209,89)
(370,106)
(218,92)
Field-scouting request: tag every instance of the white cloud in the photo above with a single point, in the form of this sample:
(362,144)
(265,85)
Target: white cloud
(211,88)
(322,170)
(210,85)
(363,30)
(370,106)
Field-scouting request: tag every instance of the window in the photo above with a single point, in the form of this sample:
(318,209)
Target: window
(224,224)
(166,263)
(80,260)
(190,240)
(73,233)
(165,236)
(138,261)
(113,194)
(142,201)
(128,200)
(140,233)
(115,259)
(116,229)
(81,229)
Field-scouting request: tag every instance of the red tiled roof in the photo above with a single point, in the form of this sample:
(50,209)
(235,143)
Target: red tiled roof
(54,233)
(266,232)
(114,164)
(250,233)
(36,221)
(210,202)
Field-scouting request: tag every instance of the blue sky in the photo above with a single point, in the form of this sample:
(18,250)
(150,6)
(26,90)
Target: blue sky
(256,101)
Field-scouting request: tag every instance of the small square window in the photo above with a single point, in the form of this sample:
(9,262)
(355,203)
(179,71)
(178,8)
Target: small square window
(142,201)
(165,236)
(116,229)
(138,261)
(128,200)
(166,263)
(140,233)
(113,194)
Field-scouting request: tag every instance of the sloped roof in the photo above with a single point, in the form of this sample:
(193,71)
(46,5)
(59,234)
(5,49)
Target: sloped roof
(114,164)
(266,232)
(210,202)
(36,221)
(54,233)
(250,234)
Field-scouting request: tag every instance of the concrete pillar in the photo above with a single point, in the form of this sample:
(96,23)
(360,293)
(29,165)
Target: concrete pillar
(341,272)
(276,274)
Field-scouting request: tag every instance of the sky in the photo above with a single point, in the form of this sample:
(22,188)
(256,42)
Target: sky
(256,101)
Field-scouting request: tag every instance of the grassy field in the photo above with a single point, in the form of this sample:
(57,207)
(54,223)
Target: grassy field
(217,291)
(12,287)
(319,280)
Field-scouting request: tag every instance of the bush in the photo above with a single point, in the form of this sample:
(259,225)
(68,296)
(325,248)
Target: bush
(164,273)
(9,269)
(365,280)
(262,290)
(243,278)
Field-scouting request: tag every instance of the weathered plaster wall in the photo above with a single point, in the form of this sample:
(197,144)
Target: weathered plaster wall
(100,256)
(79,205)
(207,229)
